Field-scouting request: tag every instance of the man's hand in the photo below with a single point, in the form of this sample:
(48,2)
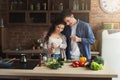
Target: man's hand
(75,38)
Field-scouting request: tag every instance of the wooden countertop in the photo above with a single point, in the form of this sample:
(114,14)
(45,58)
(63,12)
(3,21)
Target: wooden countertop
(65,71)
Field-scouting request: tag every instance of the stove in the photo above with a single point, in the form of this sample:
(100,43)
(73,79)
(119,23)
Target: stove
(30,64)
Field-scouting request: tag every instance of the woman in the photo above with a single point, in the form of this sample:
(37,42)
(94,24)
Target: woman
(55,41)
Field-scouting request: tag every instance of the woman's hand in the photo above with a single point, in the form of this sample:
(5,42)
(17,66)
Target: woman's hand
(54,45)
(51,50)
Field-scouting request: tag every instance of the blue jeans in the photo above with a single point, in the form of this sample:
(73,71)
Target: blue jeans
(56,56)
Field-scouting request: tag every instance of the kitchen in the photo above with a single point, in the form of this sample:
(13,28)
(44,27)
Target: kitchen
(26,32)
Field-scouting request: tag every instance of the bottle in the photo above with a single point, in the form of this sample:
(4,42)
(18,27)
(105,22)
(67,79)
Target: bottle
(86,5)
(20,5)
(83,5)
(45,6)
(38,6)
(15,4)
(77,5)
(11,5)
(40,59)
(61,6)
(1,23)
(31,7)
(74,5)
(44,58)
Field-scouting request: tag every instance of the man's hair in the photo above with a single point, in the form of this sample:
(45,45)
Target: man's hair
(66,13)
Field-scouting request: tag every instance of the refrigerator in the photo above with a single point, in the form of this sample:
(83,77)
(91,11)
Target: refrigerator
(110,49)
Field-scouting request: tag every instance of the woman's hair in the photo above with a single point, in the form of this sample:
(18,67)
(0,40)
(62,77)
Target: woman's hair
(52,28)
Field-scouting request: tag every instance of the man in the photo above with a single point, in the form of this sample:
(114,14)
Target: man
(79,36)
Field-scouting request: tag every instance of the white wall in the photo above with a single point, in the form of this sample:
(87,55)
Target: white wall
(111,50)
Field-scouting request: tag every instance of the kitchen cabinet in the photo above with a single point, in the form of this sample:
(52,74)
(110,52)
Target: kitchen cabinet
(37,12)
(27,11)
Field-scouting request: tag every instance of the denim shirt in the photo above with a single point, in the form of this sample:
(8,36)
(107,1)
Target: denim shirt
(83,31)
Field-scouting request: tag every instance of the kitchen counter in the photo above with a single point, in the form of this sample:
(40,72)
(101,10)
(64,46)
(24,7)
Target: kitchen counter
(65,73)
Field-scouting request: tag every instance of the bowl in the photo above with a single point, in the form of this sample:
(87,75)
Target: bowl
(108,25)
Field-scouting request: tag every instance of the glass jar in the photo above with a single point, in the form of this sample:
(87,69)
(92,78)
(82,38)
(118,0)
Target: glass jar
(44,58)
(45,6)
(38,6)
(61,6)
(31,7)
(83,5)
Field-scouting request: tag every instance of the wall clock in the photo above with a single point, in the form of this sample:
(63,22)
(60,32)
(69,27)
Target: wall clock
(110,6)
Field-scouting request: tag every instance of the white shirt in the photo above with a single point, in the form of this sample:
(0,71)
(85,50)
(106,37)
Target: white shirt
(57,41)
(75,52)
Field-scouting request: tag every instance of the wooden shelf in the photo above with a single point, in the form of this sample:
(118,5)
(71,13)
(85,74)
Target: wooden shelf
(37,11)
(81,11)
(55,11)
(52,9)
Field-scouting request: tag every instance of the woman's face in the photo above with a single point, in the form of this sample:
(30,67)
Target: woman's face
(59,28)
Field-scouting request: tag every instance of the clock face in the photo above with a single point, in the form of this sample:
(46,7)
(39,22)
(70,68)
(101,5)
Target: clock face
(110,6)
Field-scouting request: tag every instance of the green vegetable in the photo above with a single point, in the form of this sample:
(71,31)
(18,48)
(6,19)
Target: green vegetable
(61,63)
(96,66)
(50,61)
(54,64)
(99,60)
(61,59)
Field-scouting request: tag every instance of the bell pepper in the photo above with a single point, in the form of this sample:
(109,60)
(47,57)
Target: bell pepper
(83,59)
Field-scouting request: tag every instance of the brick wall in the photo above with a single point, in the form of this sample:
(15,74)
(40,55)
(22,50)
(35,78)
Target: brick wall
(97,16)
(3,10)
(25,35)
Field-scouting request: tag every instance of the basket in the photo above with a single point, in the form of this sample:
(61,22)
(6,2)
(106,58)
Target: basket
(108,25)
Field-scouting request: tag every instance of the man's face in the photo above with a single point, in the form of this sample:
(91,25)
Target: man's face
(69,20)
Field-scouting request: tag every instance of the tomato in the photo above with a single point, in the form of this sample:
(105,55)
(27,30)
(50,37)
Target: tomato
(76,62)
(81,64)
(83,59)
(75,66)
